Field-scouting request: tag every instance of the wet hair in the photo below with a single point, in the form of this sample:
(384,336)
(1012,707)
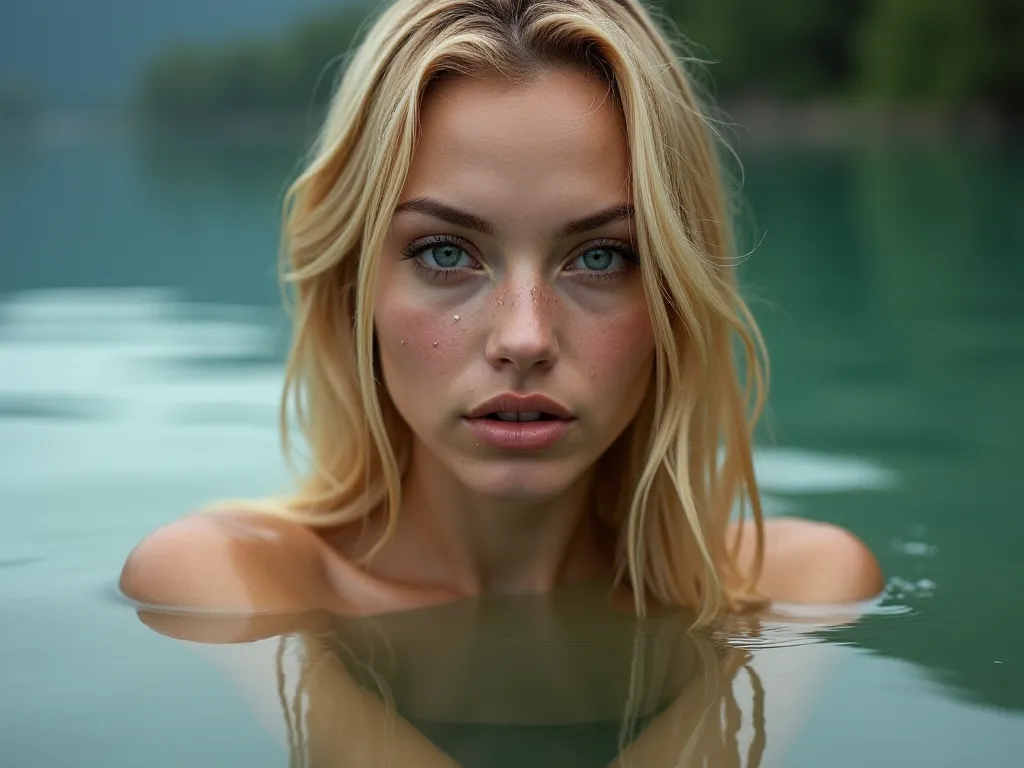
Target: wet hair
(684,465)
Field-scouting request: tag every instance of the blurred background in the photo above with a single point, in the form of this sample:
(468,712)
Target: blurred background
(144,151)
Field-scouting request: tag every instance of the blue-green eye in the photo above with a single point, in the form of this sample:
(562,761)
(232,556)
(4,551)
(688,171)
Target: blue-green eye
(604,260)
(444,256)
(440,257)
(599,259)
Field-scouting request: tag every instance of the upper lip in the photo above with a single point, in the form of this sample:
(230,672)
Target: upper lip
(511,402)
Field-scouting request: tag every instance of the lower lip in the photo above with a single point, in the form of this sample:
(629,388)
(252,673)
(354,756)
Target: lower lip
(519,435)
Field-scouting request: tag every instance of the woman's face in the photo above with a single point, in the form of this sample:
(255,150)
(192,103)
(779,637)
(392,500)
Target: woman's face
(504,274)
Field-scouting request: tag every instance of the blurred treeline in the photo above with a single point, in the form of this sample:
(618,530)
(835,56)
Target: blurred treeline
(935,53)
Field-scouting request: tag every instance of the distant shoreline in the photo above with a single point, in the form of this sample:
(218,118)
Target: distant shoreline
(746,124)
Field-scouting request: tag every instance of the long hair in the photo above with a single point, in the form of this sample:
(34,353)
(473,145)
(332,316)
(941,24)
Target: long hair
(684,464)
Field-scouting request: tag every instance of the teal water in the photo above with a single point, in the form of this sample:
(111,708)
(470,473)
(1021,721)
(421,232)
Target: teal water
(140,362)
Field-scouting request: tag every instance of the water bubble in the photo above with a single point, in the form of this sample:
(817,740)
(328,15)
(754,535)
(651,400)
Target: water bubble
(914,548)
(899,588)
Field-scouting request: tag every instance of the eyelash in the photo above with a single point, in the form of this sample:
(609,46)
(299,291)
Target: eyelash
(413,250)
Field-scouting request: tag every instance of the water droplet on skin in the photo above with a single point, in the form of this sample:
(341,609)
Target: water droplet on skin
(403,342)
(435,343)
(591,374)
(456,318)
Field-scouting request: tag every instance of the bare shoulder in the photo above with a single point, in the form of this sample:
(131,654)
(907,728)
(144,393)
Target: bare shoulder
(229,562)
(812,562)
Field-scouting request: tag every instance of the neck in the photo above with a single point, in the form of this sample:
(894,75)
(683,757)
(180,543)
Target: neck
(451,538)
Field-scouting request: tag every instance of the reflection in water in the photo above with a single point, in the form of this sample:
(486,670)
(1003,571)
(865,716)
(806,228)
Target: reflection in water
(559,680)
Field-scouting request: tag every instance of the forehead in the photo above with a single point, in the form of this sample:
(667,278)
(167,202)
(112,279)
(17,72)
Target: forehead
(543,151)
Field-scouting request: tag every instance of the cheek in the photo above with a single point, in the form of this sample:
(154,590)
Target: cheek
(619,348)
(419,345)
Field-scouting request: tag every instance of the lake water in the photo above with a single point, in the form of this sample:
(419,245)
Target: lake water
(140,362)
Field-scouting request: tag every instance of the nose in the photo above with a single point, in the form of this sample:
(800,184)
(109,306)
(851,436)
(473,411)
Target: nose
(523,332)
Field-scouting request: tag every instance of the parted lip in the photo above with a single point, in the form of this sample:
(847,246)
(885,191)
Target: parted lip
(511,402)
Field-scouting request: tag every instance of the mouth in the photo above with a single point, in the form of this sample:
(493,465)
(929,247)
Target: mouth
(521,416)
(518,430)
(512,406)
(517,422)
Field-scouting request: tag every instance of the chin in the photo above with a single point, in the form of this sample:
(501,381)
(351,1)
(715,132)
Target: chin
(535,480)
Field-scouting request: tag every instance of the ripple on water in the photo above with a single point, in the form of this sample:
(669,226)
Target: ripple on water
(790,625)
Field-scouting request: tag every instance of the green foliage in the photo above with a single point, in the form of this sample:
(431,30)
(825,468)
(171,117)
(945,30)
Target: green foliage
(935,51)
(945,51)
(251,75)
(791,49)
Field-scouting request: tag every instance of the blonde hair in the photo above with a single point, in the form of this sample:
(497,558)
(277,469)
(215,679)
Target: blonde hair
(684,463)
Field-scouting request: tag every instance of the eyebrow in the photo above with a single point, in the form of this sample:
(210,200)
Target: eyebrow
(439,210)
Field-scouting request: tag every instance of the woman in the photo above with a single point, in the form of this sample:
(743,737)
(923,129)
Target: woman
(515,315)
